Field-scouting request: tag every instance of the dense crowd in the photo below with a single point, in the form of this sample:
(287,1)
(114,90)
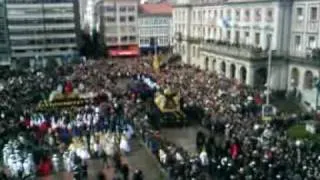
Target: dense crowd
(237,144)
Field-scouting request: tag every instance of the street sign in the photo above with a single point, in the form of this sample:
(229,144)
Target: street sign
(268,111)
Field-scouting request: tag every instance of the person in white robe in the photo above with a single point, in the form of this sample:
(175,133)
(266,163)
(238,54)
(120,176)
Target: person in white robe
(162,156)
(204,158)
(129,131)
(28,166)
(55,163)
(67,162)
(124,144)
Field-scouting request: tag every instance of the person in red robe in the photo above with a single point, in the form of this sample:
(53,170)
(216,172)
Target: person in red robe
(234,150)
(45,167)
(68,88)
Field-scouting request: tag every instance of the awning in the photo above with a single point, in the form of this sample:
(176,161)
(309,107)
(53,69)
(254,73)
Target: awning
(131,52)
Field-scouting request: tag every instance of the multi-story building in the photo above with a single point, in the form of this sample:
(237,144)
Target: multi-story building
(87,15)
(42,30)
(4,44)
(304,54)
(118,21)
(155,25)
(233,38)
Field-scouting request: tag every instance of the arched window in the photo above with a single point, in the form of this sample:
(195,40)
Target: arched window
(223,67)
(232,71)
(308,80)
(243,74)
(294,79)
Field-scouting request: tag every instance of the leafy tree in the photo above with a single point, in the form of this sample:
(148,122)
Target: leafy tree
(98,44)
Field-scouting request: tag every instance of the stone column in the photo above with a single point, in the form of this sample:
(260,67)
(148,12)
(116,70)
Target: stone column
(301,79)
(238,74)
(228,70)
(250,76)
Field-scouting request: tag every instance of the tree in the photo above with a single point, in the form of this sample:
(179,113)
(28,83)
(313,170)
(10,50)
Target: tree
(98,44)
(86,45)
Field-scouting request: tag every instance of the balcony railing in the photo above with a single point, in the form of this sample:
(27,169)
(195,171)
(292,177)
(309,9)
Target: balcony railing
(243,51)
(193,39)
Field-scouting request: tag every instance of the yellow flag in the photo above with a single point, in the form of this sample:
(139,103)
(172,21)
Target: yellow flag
(156,64)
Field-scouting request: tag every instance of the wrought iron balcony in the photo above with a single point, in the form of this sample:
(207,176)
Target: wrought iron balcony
(235,50)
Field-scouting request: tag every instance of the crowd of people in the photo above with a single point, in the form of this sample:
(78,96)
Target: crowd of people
(237,144)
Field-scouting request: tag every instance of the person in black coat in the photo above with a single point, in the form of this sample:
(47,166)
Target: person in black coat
(125,171)
(138,175)
(200,140)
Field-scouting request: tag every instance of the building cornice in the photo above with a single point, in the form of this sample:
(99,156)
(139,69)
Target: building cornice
(222,3)
(155,15)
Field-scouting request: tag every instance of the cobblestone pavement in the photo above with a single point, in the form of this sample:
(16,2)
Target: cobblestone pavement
(141,158)
(185,137)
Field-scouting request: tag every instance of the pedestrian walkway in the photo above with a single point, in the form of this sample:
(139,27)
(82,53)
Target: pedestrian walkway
(184,137)
(141,159)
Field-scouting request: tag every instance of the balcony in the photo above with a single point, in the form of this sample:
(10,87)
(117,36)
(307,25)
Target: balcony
(309,56)
(234,50)
(195,40)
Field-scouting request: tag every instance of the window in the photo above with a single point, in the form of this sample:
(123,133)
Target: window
(247,15)
(112,39)
(297,42)
(132,38)
(131,8)
(110,19)
(132,29)
(122,19)
(237,14)
(258,14)
(221,13)
(237,37)
(215,13)
(300,14)
(109,8)
(228,35)
(122,9)
(314,13)
(257,39)
(124,38)
(270,15)
(131,18)
(229,13)
(312,42)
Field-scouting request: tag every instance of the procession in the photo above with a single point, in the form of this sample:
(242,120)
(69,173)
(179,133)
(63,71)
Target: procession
(95,108)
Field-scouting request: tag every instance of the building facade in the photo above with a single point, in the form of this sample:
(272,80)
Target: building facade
(233,38)
(4,43)
(304,55)
(118,21)
(155,25)
(42,30)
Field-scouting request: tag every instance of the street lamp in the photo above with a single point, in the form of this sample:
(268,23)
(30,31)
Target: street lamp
(317,86)
(269,72)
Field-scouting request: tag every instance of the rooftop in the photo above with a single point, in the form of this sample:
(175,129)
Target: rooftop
(156,9)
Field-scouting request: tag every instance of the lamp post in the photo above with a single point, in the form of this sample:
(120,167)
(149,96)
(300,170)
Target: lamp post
(317,86)
(269,72)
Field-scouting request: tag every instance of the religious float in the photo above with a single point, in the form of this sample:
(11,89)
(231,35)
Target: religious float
(66,97)
(168,104)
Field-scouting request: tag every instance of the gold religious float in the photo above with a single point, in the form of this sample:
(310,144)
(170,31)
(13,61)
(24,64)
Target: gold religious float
(168,101)
(62,100)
